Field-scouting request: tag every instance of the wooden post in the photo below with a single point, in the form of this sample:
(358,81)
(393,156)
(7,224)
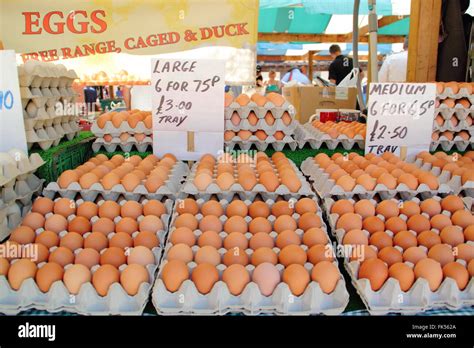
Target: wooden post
(111,92)
(425,17)
(1,45)
(310,65)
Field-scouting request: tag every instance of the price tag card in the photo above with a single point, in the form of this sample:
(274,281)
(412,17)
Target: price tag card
(400,118)
(12,127)
(188,103)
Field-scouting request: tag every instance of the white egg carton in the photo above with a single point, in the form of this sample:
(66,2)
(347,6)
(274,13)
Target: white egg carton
(307,134)
(126,146)
(189,188)
(219,301)
(42,122)
(16,164)
(10,217)
(260,111)
(48,136)
(391,299)
(21,190)
(261,145)
(109,128)
(325,186)
(457,143)
(169,189)
(462,93)
(448,126)
(40,74)
(87,301)
(459,111)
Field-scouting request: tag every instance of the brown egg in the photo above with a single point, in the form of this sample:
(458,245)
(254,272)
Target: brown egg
(152,223)
(236,278)
(284,222)
(260,240)
(320,252)
(260,224)
(309,220)
(442,253)
(104,226)
(204,277)
(470,268)
(355,237)
(211,238)
(202,181)
(373,224)
(141,255)
(96,240)
(121,240)
(342,207)
(109,180)
(409,180)
(366,181)
(56,223)
(88,257)
(440,221)
(452,203)
(464,252)
(154,207)
(430,206)
(48,274)
(297,278)
(62,256)
(364,208)
(428,179)
(414,254)
(235,256)
(418,223)
(104,277)
(87,210)
(237,208)
(19,271)
(23,235)
(306,205)
(88,179)
(462,218)
(72,241)
(48,239)
(131,209)
(180,252)
(395,224)
(212,208)
(183,235)
(113,256)
(362,252)
(404,274)
(42,205)
(405,239)
(376,271)
(349,221)
(264,255)
(430,270)
(75,276)
(327,275)
(314,236)
(390,255)
(4,266)
(66,178)
(210,223)
(64,207)
(381,240)
(258,209)
(428,239)
(287,237)
(292,254)
(109,209)
(387,208)
(457,272)
(236,223)
(80,225)
(174,273)
(452,235)
(409,208)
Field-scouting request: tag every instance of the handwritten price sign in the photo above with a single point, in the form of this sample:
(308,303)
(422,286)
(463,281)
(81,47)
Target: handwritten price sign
(400,118)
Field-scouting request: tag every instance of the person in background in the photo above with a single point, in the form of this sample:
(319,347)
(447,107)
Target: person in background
(295,74)
(260,86)
(272,84)
(394,67)
(341,65)
(119,93)
(90,98)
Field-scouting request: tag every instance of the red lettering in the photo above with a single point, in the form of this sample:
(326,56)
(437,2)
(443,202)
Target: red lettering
(100,22)
(82,25)
(47,23)
(66,53)
(29,22)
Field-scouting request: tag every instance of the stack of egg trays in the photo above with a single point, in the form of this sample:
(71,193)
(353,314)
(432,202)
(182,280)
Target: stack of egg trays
(42,86)
(461,113)
(18,184)
(445,177)
(326,187)
(87,301)
(189,189)
(307,134)
(116,142)
(260,112)
(390,298)
(170,188)
(219,301)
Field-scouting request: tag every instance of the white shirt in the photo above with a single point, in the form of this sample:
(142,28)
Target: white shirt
(394,68)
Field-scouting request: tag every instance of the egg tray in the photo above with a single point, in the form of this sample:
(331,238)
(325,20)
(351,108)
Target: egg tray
(21,190)
(462,93)
(326,187)
(36,123)
(169,190)
(236,189)
(126,146)
(10,217)
(278,126)
(261,145)
(36,98)
(307,134)
(260,111)
(459,111)
(16,165)
(388,299)
(87,301)
(109,128)
(45,75)
(445,177)
(52,135)
(219,301)
(457,143)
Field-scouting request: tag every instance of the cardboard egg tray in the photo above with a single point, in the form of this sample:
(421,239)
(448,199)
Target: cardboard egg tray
(189,189)
(109,128)
(48,136)
(219,301)
(453,181)
(170,189)
(16,164)
(462,93)
(390,298)
(325,186)
(127,146)
(261,145)
(39,74)
(448,126)
(87,301)
(260,111)
(10,217)
(457,143)
(459,111)
(307,134)
(262,125)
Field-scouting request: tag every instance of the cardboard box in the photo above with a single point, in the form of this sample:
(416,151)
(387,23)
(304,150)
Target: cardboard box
(306,99)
